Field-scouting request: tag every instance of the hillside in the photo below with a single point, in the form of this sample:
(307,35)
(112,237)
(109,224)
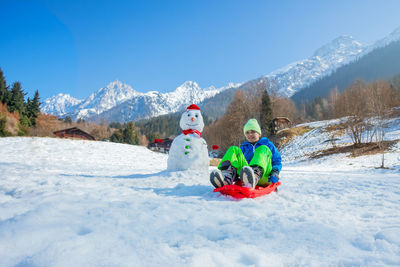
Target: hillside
(381,63)
(215,107)
(316,138)
(87,203)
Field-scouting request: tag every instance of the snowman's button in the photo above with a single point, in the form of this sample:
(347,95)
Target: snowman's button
(186,147)
(187,139)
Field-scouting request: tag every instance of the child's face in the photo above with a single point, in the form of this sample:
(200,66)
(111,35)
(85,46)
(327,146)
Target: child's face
(252,136)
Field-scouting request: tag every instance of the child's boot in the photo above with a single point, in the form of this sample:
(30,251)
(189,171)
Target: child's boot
(222,177)
(217,178)
(250,175)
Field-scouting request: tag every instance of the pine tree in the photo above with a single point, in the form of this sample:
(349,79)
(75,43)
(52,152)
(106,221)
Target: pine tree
(3,88)
(28,108)
(16,101)
(127,135)
(34,109)
(266,114)
(117,137)
(130,135)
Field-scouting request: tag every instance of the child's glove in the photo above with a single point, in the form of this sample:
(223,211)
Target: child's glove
(273,177)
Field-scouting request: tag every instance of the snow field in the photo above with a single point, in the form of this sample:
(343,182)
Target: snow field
(85,203)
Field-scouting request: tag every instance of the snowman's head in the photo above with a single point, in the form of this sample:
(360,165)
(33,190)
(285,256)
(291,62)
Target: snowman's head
(192,119)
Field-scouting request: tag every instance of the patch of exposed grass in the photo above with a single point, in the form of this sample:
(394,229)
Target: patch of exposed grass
(356,150)
(335,131)
(285,136)
(341,128)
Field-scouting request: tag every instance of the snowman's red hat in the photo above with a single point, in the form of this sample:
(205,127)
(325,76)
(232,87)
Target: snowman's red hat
(193,106)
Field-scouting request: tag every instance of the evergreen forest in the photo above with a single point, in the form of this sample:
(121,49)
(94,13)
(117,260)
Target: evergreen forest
(12,99)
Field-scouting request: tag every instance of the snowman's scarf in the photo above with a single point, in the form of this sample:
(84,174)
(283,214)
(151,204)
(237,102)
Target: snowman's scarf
(191,131)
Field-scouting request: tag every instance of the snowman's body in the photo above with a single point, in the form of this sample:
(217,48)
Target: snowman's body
(189,150)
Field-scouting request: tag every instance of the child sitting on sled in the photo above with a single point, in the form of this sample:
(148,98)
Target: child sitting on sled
(257,160)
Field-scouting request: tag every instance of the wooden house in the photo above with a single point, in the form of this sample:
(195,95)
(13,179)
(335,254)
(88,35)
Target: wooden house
(280,123)
(73,132)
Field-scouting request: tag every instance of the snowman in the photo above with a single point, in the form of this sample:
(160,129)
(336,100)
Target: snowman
(189,150)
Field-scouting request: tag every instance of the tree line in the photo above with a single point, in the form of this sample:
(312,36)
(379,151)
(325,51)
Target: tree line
(337,103)
(13,97)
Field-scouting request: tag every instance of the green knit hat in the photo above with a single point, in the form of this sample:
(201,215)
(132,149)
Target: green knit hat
(252,124)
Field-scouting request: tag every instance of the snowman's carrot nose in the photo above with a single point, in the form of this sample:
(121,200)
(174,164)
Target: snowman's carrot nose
(192,119)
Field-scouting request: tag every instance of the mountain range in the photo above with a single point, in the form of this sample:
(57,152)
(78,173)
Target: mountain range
(120,102)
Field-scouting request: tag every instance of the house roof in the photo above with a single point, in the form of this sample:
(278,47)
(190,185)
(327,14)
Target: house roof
(74,129)
(63,130)
(281,118)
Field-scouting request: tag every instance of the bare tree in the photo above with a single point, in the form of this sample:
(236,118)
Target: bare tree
(228,130)
(333,100)
(381,97)
(352,103)
(143,141)
(366,105)
(285,107)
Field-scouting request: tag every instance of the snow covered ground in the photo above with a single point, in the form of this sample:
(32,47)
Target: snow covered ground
(86,203)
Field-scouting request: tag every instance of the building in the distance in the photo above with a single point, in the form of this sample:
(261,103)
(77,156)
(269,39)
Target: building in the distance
(161,145)
(73,132)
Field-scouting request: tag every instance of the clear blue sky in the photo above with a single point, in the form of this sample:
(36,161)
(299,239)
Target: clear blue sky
(77,47)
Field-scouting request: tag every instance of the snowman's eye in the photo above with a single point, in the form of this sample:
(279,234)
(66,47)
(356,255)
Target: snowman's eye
(196,115)
(188,115)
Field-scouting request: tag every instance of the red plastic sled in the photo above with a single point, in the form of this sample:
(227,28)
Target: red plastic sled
(240,192)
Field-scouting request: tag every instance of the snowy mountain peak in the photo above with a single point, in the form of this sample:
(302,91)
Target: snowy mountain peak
(118,89)
(190,90)
(118,86)
(344,45)
(327,58)
(106,98)
(188,85)
(60,104)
